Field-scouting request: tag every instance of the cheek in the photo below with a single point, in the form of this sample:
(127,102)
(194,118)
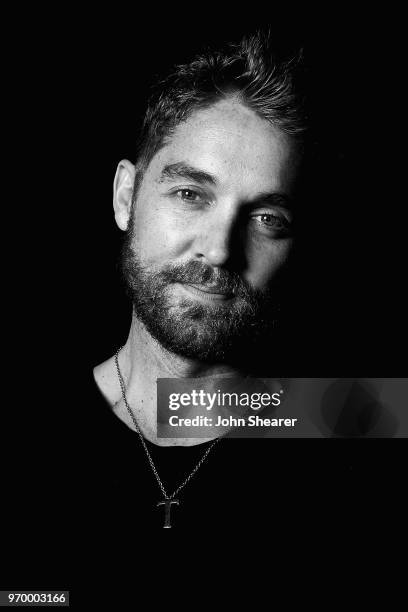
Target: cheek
(158,234)
(265,261)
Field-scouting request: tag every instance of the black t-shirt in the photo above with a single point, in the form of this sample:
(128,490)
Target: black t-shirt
(243,483)
(77,484)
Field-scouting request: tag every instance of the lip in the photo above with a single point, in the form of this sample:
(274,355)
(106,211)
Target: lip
(210,294)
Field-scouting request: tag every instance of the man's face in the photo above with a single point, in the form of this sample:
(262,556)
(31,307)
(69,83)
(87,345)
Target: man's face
(209,232)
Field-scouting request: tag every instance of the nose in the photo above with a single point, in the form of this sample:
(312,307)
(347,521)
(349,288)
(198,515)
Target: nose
(214,238)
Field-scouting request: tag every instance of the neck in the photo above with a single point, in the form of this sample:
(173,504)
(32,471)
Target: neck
(142,361)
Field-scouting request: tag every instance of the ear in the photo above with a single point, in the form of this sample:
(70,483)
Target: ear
(122,192)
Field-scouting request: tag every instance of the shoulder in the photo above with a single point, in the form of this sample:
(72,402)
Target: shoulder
(106,379)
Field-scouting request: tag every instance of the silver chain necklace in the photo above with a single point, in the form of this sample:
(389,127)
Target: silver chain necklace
(168,499)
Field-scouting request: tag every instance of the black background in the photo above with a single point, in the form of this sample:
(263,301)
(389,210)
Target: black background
(79,84)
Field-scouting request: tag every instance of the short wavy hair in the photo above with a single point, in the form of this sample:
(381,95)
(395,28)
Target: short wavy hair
(251,71)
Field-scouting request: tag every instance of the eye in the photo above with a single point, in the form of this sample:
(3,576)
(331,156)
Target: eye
(271,221)
(188,195)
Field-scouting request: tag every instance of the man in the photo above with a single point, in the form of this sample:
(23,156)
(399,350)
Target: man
(208,210)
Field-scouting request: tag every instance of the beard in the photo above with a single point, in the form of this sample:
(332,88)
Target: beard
(215,332)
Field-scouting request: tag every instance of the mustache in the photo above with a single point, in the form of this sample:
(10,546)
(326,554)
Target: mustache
(197,273)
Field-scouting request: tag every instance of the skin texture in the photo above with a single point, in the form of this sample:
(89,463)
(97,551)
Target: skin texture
(248,157)
(227,225)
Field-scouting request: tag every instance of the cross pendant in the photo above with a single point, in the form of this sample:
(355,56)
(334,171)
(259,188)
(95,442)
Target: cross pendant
(167,504)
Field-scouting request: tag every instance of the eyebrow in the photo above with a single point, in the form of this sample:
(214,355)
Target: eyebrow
(276,198)
(182,170)
(185,171)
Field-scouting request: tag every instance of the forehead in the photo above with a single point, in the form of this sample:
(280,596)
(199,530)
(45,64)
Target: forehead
(233,143)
